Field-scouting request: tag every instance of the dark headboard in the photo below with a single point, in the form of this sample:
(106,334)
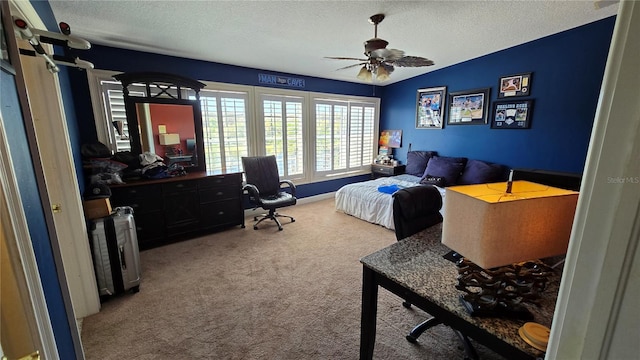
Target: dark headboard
(563,180)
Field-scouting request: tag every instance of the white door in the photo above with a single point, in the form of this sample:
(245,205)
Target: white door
(60,177)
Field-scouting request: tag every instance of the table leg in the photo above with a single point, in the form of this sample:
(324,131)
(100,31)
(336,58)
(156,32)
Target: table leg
(369,312)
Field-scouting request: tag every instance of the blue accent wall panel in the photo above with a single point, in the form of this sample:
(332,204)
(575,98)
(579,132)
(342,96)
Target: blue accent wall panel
(24,171)
(567,74)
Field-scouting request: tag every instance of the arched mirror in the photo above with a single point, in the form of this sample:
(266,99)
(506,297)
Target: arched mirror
(165,118)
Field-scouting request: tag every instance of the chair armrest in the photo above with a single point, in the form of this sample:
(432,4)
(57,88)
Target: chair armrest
(291,186)
(253,190)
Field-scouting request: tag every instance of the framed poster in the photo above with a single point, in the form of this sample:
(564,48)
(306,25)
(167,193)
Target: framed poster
(390,138)
(430,105)
(512,114)
(468,107)
(514,85)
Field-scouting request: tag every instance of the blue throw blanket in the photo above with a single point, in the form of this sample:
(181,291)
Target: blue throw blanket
(389,189)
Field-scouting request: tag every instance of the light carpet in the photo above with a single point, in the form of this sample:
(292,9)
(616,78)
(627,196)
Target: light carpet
(263,294)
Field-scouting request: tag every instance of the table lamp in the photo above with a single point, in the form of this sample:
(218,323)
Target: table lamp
(168,140)
(500,230)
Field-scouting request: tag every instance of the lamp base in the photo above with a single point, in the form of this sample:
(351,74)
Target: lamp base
(501,292)
(513,312)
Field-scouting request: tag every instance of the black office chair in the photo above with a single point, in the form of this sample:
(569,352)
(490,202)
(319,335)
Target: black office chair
(265,188)
(415,209)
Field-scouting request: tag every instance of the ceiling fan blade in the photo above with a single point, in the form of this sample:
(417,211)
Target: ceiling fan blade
(412,61)
(350,66)
(344,58)
(388,54)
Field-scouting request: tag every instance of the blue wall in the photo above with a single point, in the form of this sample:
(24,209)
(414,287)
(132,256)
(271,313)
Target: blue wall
(567,73)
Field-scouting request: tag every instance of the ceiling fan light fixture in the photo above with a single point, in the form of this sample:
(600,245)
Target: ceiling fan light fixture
(364,74)
(382,74)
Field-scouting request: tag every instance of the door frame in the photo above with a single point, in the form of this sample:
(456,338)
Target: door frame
(24,7)
(19,246)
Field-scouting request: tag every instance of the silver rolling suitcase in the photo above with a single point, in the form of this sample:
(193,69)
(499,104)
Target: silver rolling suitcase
(116,258)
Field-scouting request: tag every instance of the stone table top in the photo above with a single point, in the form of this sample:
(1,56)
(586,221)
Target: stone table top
(417,263)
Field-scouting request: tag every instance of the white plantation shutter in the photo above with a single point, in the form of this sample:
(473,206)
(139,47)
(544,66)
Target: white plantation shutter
(225,129)
(362,135)
(282,120)
(344,135)
(115,109)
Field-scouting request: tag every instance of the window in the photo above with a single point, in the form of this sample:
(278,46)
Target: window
(225,129)
(314,136)
(116,116)
(345,136)
(281,124)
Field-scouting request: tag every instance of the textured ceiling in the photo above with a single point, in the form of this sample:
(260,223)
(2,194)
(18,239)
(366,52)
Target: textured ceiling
(295,36)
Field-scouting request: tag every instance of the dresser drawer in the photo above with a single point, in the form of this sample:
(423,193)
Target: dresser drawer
(178,186)
(221,181)
(221,213)
(126,194)
(150,229)
(209,195)
(140,205)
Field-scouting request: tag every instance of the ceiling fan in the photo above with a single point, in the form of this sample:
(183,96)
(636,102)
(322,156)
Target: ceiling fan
(381,61)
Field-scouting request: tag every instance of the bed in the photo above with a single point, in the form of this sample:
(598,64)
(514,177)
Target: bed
(364,200)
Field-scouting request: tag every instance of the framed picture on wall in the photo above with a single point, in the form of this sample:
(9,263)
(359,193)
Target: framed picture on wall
(390,138)
(512,114)
(514,85)
(430,106)
(468,107)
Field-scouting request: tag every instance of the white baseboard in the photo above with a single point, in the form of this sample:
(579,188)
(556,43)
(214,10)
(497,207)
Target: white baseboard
(306,200)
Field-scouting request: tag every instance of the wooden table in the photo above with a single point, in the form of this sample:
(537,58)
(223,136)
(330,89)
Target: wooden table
(415,270)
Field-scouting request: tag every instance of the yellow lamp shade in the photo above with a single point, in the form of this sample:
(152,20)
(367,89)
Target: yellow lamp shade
(169,139)
(493,228)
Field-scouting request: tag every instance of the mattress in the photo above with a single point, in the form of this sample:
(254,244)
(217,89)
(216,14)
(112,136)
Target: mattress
(364,201)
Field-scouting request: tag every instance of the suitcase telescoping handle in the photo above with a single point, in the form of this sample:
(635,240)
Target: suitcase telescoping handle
(122,258)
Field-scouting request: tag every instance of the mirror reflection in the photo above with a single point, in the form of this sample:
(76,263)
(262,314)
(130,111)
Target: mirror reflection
(168,130)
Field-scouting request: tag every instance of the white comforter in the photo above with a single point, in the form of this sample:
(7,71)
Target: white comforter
(364,201)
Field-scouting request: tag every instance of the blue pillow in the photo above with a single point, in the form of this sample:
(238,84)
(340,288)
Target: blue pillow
(448,168)
(480,172)
(417,162)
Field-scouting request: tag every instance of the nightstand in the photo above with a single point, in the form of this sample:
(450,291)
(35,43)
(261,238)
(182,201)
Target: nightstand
(386,170)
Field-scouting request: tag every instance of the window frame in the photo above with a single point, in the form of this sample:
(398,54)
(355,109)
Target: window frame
(348,100)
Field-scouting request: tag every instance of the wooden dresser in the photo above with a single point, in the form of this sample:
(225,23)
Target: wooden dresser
(173,209)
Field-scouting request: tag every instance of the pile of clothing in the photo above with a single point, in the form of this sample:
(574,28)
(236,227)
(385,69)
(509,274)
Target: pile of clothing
(153,166)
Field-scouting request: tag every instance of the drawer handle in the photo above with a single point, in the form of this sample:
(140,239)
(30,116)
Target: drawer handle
(135,206)
(179,185)
(221,213)
(138,228)
(219,193)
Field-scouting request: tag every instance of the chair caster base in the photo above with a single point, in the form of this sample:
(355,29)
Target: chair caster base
(406,304)
(411,339)
(255,228)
